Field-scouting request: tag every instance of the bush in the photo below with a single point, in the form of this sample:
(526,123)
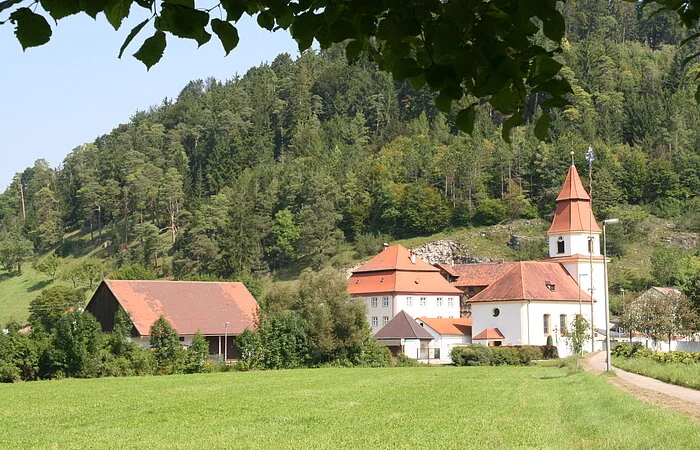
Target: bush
(626,350)
(550,352)
(404,361)
(375,355)
(471,355)
(529,353)
(504,356)
(490,212)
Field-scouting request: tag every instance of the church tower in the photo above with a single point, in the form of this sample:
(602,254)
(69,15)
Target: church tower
(574,241)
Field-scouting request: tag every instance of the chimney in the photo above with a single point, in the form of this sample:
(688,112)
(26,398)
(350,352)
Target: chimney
(386,245)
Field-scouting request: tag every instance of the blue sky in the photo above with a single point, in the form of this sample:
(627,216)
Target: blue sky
(74,88)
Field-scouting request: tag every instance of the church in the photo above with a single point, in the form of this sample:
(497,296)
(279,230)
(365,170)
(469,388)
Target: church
(510,303)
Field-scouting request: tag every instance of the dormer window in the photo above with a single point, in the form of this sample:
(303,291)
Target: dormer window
(552,287)
(560,245)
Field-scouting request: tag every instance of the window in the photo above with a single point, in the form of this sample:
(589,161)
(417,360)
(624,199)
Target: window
(563,325)
(560,245)
(409,301)
(374,302)
(423,302)
(385,320)
(547,324)
(450,302)
(439,302)
(496,312)
(591,240)
(385,302)
(375,322)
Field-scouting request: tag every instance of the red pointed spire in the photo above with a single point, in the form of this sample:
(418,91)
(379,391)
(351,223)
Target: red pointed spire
(573,207)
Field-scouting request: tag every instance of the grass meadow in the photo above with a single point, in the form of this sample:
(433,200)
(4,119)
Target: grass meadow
(436,407)
(686,375)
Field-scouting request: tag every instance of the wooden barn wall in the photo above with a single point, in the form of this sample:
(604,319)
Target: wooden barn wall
(103,306)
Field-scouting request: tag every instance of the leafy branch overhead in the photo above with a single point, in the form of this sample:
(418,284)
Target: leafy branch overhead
(491,50)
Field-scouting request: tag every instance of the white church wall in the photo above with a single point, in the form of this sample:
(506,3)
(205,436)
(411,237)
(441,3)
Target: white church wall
(508,320)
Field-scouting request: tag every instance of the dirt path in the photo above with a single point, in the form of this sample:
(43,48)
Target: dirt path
(675,398)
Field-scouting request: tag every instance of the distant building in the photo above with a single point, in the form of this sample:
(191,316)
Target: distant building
(397,280)
(220,311)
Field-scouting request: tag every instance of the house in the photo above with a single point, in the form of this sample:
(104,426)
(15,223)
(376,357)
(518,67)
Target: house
(397,280)
(220,311)
(474,278)
(447,333)
(403,335)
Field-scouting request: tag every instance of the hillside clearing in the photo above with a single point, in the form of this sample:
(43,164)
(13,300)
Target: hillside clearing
(440,407)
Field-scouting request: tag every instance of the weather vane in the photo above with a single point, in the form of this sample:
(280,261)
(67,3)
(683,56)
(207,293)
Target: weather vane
(590,156)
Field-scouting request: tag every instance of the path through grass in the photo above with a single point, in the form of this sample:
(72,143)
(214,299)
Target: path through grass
(444,407)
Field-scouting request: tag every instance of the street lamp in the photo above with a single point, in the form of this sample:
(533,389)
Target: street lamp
(580,306)
(607,304)
(225,342)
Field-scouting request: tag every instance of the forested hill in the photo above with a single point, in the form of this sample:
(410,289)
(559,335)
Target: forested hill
(285,165)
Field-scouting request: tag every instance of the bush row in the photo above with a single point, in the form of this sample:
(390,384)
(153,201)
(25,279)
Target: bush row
(481,355)
(636,350)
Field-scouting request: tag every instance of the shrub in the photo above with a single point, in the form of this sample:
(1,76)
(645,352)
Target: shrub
(550,352)
(404,361)
(529,353)
(504,356)
(471,355)
(490,212)
(375,355)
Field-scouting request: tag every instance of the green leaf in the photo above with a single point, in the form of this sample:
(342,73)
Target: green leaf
(341,30)
(418,82)
(7,3)
(184,22)
(152,49)
(544,67)
(553,25)
(266,20)
(353,50)
(31,29)
(304,29)
(542,127)
(687,59)
(697,94)
(688,39)
(234,9)
(405,68)
(117,11)
(227,33)
(132,34)
(465,119)
(506,99)
(515,120)
(58,9)
(93,7)
(444,102)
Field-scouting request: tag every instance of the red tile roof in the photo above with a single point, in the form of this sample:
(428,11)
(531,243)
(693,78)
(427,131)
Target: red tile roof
(396,257)
(448,268)
(489,334)
(529,280)
(188,306)
(482,274)
(402,326)
(461,326)
(394,271)
(573,211)
(388,282)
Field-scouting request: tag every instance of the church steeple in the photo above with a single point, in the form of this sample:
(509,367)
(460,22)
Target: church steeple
(573,211)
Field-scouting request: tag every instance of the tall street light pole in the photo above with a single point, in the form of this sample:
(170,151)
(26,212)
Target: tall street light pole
(607,303)
(580,306)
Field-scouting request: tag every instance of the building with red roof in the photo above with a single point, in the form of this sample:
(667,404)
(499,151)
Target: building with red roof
(397,280)
(447,333)
(526,302)
(218,310)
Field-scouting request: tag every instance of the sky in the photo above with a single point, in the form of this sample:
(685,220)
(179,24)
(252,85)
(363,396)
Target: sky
(73,89)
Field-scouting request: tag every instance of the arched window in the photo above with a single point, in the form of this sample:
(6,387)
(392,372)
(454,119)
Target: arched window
(547,324)
(563,326)
(560,245)
(591,241)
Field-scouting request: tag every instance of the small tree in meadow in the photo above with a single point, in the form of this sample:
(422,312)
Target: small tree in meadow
(578,333)
(197,354)
(165,343)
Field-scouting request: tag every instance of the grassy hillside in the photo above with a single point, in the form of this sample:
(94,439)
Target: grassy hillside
(482,242)
(443,407)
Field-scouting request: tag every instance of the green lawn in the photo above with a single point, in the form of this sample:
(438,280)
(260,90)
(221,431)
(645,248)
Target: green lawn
(438,407)
(686,375)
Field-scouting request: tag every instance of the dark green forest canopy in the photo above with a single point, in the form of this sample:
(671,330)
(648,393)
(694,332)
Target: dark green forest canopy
(503,51)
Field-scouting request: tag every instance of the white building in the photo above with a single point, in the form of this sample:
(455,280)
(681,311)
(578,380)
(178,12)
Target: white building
(396,280)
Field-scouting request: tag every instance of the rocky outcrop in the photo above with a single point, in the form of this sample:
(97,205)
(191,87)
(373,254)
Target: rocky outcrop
(446,252)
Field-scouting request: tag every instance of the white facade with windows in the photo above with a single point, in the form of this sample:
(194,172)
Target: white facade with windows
(415,305)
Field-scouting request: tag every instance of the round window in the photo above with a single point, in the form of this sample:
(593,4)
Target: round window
(496,312)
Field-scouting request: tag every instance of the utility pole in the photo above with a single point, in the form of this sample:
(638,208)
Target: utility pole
(590,156)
